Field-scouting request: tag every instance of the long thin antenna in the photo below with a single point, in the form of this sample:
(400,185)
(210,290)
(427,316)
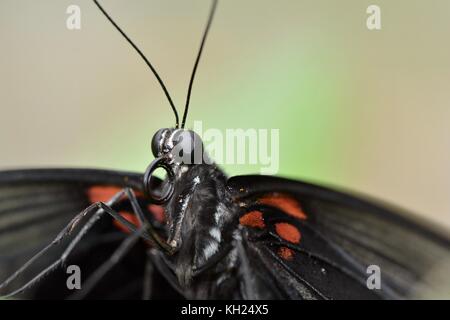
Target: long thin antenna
(145,59)
(191,82)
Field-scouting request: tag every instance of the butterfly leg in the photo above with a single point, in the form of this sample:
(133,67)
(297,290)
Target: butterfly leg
(154,257)
(115,258)
(99,208)
(149,272)
(66,231)
(123,249)
(165,268)
(147,225)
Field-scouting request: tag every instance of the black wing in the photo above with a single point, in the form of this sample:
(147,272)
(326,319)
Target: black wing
(36,204)
(319,243)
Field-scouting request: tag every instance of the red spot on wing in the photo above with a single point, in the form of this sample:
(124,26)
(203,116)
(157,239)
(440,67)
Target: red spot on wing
(288,232)
(105,193)
(157,212)
(129,217)
(285,203)
(286,253)
(102,193)
(253,219)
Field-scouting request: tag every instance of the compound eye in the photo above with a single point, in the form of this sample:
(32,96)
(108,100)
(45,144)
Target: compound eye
(157,141)
(186,143)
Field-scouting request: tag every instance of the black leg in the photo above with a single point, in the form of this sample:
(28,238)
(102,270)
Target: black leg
(66,231)
(163,266)
(99,208)
(149,273)
(160,243)
(115,258)
(126,245)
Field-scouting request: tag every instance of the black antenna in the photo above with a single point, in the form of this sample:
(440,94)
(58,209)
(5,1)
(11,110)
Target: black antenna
(191,82)
(145,59)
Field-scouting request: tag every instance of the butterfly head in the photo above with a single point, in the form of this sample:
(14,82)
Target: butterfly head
(176,145)
(173,149)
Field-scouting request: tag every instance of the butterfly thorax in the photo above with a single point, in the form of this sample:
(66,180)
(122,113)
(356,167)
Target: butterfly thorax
(201,221)
(201,217)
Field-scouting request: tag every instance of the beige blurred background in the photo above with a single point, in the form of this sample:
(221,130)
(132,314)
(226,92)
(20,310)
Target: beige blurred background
(360,110)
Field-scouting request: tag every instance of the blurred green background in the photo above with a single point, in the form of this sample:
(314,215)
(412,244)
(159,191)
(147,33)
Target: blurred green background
(360,110)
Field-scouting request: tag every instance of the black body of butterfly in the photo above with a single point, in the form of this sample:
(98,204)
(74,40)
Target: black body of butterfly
(200,234)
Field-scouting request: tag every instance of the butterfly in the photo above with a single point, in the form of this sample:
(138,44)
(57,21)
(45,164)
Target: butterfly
(198,234)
